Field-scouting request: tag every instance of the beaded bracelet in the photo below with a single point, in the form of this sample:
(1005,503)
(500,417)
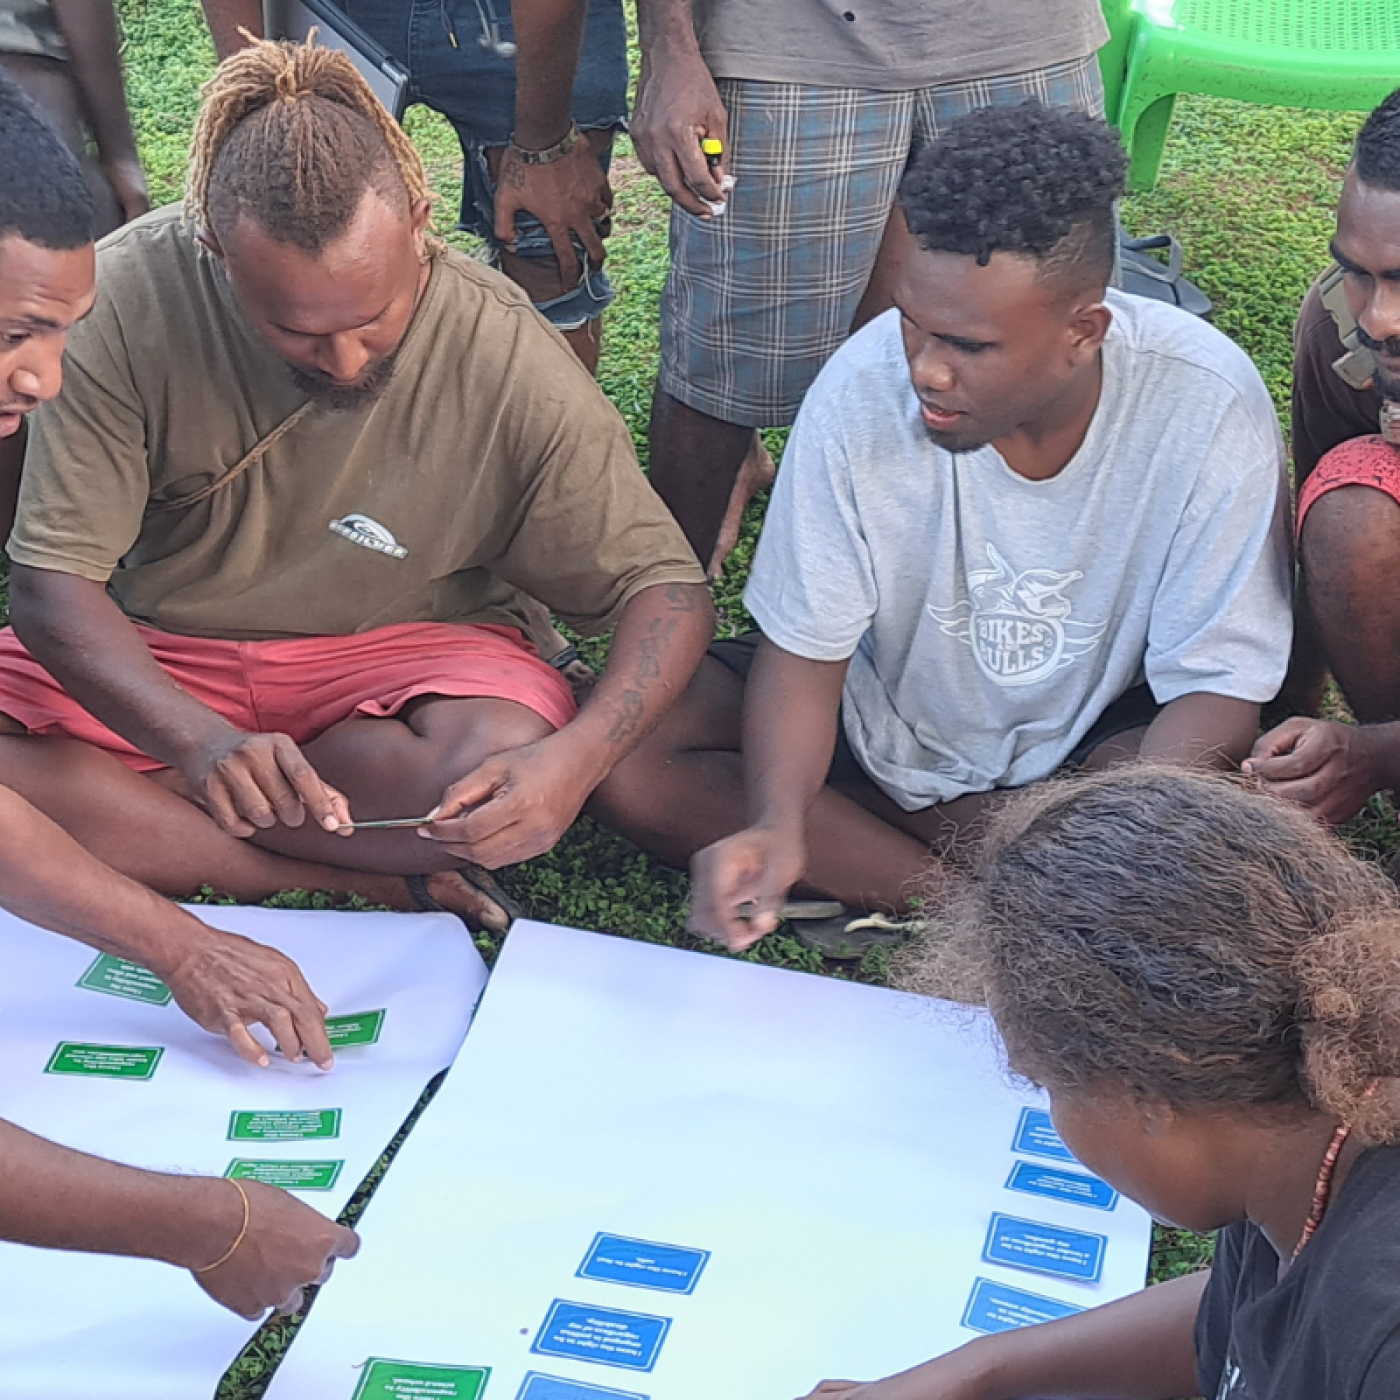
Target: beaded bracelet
(550,153)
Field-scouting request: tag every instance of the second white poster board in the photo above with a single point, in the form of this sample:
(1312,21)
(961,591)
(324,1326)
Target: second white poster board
(659,1174)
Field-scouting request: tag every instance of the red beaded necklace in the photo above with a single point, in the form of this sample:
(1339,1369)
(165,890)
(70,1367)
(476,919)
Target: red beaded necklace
(1322,1191)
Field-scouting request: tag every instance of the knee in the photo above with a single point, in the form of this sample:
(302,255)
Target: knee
(635,795)
(655,787)
(504,726)
(1348,546)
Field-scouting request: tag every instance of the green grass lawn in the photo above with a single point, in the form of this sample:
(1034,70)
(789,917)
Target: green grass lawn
(1250,193)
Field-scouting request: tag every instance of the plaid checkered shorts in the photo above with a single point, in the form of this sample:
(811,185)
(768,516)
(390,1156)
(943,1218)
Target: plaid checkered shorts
(759,299)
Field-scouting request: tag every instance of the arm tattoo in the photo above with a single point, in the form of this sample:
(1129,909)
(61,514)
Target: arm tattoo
(630,705)
(650,649)
(682,597)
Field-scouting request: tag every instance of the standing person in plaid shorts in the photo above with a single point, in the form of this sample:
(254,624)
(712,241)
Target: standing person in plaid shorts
(820,105)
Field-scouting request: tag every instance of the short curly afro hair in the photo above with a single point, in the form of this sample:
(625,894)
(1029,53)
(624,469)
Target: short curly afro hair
(44,197)
(1032,180)
(1378,146)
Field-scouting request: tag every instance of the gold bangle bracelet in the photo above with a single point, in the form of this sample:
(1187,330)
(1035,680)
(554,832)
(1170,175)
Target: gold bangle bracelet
(242,1232)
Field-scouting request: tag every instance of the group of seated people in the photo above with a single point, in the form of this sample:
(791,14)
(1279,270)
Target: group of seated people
(294,488)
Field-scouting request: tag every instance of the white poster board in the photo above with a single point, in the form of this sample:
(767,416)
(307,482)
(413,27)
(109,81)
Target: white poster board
(80,1326)
(662,1174)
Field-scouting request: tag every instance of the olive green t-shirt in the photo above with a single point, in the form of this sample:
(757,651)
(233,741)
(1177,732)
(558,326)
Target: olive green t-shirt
(491,466)
(892,45)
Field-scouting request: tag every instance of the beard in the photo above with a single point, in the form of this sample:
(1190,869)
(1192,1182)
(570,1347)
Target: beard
(345,398)
(1388,386)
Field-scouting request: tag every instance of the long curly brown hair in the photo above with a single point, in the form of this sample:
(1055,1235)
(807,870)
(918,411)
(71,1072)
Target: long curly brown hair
(291,135)
(1182,937)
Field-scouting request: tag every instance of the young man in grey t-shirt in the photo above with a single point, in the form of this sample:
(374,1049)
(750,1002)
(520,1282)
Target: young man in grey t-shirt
(1022,523)
(819,106)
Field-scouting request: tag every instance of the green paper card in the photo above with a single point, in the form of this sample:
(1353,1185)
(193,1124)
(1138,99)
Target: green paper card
(412,1380)
(105,1061)
(119,978)
(290,1176)
(360,1029)
(283,1124)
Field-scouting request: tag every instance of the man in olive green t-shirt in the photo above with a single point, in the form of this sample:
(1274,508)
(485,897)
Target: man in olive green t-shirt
(274,540)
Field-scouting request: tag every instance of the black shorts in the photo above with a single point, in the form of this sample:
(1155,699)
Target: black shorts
(1134,709)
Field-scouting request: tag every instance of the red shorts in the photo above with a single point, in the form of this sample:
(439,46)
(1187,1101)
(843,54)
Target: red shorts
(1363,461)
(301,686)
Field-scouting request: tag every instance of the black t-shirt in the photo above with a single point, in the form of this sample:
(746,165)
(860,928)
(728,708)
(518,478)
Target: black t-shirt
(1331,1329)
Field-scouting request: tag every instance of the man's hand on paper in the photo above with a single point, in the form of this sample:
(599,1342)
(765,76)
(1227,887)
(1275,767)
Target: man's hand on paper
(287,1248)
(250,782)
(226,983)
(738,885)
(514,806)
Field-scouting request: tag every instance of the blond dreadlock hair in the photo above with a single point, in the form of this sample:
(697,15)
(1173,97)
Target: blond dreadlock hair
(291,135)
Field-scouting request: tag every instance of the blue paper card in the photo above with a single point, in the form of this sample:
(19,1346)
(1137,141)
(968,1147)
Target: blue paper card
(669,1268)
(1045,1249)
(1060,1185)
(608,1336)
(1036,1135)
(537,1386)
(993,1307)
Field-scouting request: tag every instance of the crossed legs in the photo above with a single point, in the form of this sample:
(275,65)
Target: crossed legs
(143,826)
(682,789)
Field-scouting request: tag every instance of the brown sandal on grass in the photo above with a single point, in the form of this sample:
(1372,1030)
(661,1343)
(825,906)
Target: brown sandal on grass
(482,904)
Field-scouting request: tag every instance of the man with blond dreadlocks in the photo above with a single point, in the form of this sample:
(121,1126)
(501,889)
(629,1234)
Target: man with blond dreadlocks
(272,540)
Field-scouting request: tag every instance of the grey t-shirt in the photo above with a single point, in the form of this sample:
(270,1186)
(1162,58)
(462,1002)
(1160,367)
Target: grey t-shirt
(990,620)
(892,45)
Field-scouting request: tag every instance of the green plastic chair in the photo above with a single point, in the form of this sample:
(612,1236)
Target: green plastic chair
(1338,55)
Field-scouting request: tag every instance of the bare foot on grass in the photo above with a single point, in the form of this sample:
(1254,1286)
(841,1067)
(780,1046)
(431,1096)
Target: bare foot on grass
(756,474)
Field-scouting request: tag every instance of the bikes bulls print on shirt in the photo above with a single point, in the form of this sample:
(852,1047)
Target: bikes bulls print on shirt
(1020,626)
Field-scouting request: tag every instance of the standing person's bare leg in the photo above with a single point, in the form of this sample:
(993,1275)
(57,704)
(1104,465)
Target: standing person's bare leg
(757,473)
(696,464)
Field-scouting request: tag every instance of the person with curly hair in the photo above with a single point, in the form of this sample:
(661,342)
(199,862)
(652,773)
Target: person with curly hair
(1207,986)
(273,540)
(813,110)
(1024,522)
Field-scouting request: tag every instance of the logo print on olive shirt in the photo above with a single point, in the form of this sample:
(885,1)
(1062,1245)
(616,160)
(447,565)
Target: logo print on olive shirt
(1018,625)
(360,529)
